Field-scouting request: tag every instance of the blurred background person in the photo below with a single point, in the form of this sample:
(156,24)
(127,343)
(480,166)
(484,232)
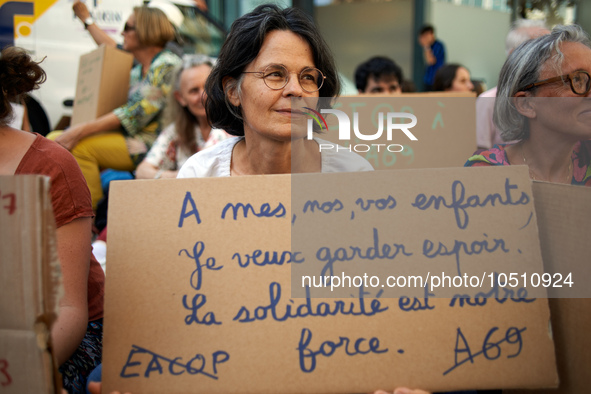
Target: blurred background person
(379,75)
(543,102)
(120,139)
(76,334)
(174,15)
(487,134)
(433,55)
(190,130)
(453,78)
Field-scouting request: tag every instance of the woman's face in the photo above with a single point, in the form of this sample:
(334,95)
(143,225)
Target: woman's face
(461,82)
(130,39)
(555,105)
(267,113)
(191,93)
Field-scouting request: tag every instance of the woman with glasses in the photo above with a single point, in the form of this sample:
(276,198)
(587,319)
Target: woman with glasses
(543,102)
(272,59)
(121,139)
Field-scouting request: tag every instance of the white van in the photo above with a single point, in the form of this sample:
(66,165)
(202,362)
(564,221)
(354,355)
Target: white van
(50,31)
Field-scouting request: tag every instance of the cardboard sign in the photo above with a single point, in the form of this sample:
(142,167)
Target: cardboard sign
(444,131)
(29,282)
(103,83)
(200,278)
(564,214)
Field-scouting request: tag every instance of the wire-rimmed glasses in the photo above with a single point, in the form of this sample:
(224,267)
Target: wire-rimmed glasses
(276,76)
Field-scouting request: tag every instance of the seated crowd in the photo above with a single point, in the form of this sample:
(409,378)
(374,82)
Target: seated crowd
(200,117)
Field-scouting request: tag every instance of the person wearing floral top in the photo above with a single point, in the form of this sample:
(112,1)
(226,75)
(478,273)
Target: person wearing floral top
(190,131)
(120,139)
(168,155)
(140,116)
(581,158)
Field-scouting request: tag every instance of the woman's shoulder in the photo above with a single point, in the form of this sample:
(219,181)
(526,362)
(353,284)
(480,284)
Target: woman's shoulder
(69,192)
(168,133)
(211,162)
(46,157)
(342,160)
(495,156)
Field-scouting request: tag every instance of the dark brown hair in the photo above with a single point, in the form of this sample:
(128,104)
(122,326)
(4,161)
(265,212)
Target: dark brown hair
(19,74)
(242,46)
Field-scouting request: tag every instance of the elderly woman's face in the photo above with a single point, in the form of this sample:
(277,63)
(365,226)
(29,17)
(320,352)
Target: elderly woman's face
(556,106)
(191,93)
(267,113)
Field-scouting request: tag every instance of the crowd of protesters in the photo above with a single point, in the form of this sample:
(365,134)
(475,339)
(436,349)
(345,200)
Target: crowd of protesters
(231,116)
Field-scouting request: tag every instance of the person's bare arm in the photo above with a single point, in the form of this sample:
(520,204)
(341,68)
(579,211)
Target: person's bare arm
(73,249)
(146,170)
(97,34)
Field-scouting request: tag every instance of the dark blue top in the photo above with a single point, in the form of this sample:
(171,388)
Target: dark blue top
(438,50)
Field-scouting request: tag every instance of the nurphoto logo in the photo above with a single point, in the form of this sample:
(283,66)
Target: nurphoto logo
(393,121)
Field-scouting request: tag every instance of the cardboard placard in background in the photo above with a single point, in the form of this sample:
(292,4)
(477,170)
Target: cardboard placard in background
(445,129)
(198,299)
(564,217)
(29,283)
(103,83)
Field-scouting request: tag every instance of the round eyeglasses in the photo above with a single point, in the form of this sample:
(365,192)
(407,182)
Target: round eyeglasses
(276,77)
(580,82)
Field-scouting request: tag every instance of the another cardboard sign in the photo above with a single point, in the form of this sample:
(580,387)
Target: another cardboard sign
(29,282)
(198,294)
(564,215)
(103,83)
(445,129)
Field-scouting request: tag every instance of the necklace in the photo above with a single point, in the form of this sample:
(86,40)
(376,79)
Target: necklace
(533,175)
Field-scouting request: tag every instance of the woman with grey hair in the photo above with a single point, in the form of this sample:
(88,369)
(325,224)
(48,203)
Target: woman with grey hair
(190,130)
(543,103)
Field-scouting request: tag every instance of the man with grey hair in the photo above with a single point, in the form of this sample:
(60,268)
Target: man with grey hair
(487,134)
